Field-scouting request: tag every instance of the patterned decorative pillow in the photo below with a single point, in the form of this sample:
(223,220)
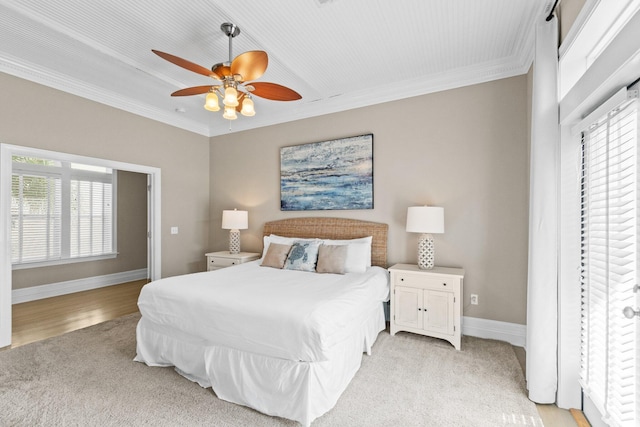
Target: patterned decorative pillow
(303,256)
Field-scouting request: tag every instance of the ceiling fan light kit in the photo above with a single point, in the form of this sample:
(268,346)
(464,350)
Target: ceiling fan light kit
(230,113)
(211,102)
(247,107)
(233,77)
(230,97)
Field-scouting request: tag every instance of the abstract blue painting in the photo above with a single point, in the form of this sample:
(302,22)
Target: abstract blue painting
(328,175)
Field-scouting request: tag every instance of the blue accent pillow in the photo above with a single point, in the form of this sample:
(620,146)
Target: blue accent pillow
(303,256)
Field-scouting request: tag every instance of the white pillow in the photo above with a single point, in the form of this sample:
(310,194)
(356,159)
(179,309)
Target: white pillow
(358,253)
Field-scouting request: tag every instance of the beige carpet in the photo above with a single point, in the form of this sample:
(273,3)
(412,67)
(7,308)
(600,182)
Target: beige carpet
(88,378)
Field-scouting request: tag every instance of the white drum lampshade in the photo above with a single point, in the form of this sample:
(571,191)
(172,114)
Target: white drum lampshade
(425,220)
(234,221)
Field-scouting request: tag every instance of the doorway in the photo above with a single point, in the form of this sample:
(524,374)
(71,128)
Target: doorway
(153,233)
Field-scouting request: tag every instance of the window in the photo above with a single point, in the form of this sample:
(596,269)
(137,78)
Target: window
(610,255)
(60,211)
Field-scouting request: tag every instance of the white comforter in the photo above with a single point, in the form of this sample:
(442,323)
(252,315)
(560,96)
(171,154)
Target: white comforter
(286,314)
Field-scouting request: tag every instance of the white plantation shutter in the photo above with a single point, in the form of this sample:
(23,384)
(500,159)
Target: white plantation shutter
(609,353)
(36,217)
(60,211)
(91,218)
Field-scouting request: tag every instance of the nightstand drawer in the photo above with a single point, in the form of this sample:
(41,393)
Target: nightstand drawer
(215,262)
(222,259)
(424,282)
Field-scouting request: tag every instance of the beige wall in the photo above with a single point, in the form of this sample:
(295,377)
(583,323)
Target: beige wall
(568,11)
(463,149)
(132,220)
(37,116)
(131,240)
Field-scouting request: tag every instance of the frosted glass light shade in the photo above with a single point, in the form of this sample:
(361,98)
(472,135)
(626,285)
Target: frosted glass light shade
(211,102)
(230,97)
(247,108)
(230,113)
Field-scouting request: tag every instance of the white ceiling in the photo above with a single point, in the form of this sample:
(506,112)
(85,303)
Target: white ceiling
(338,54)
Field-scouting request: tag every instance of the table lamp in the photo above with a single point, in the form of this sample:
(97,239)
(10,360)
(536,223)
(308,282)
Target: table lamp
(234,221)
(425,220)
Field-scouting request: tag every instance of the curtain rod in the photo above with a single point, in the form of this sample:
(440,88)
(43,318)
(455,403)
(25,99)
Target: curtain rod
(553,9)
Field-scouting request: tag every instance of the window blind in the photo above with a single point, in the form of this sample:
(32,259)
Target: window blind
(609,203)
(60,211)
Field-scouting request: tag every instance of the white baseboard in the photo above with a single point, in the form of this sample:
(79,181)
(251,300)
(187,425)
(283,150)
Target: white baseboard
(62,288)
(513,333)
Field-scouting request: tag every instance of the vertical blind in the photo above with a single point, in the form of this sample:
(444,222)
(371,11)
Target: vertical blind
(609,351)
(60,210)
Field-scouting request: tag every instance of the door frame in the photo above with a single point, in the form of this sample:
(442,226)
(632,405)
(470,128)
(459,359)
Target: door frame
(154,266)
(617,67)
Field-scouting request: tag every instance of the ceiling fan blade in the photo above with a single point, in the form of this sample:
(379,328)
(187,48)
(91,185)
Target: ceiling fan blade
(274,92)
(250,65)
(188,65)
(196,90)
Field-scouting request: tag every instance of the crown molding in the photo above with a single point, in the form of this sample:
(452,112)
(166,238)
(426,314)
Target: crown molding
(467,76)
(55,80)
(480,73)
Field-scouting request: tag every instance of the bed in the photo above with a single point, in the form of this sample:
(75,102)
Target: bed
(284,342)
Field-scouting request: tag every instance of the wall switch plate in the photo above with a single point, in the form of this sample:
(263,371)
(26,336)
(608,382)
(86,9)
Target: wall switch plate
(474,299)
(174,230)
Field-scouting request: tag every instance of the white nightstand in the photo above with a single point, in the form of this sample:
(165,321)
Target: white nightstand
(222,259)
(427,302)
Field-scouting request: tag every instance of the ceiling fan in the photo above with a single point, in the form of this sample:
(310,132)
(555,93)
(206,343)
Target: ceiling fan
(234,80)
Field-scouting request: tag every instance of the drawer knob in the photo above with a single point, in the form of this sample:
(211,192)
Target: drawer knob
(402,279)
(419,309)
(444,284)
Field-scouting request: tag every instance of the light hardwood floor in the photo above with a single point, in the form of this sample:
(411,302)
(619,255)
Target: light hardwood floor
(37,320)
(50,317)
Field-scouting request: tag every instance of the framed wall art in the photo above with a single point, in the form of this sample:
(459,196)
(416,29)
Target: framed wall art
(328,175)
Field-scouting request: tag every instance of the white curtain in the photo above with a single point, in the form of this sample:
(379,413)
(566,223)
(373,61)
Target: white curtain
(542,291)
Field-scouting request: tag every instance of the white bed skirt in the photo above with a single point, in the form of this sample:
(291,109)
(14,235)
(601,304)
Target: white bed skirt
(297,390)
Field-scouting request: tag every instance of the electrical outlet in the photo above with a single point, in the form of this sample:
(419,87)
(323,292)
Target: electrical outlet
(174,230)
(474,299)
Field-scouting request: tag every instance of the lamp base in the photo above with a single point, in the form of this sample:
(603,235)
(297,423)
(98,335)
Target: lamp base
(426,252)
(234,241)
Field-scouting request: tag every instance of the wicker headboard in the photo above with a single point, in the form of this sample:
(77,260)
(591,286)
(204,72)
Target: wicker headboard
(334,228)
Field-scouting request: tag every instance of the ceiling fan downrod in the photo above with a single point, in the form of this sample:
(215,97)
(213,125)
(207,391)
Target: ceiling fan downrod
(231,30)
